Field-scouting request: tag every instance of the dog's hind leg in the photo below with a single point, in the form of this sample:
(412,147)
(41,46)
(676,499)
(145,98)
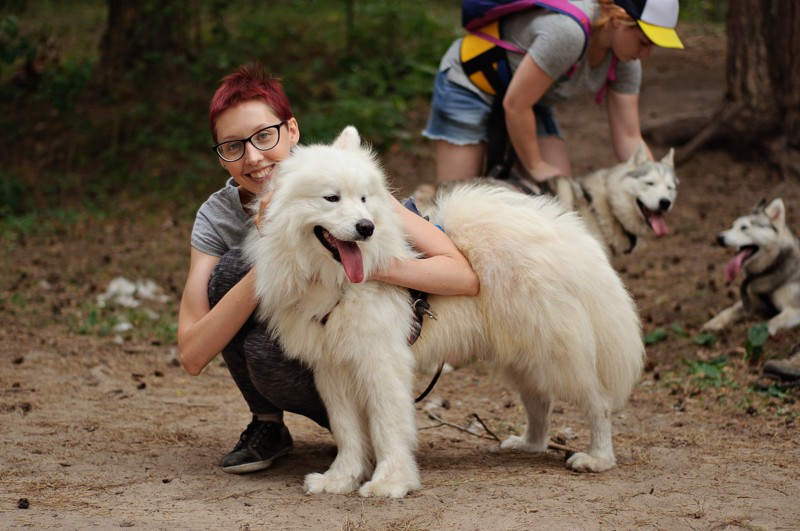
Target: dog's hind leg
(537,409)
(352,463)
(601,449)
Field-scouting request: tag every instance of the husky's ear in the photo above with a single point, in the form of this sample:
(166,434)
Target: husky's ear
(639,156)
(776,211)
(669,158)
(348,139)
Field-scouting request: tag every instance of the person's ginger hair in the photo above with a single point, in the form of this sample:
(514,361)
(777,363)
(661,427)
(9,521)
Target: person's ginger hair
(248,82)
(608,11)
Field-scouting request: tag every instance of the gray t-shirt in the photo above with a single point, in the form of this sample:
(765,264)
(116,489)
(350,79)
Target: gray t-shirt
(221,222)
(554,41)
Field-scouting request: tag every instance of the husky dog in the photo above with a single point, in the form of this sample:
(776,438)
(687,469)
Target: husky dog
(769,253)
(618,204)
(552,314)
(627,200)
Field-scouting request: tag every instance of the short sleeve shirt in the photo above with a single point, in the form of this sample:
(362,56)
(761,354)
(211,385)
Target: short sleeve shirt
(555,42)
(221,222)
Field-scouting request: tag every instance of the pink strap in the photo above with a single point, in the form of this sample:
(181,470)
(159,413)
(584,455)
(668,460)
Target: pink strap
(612,76)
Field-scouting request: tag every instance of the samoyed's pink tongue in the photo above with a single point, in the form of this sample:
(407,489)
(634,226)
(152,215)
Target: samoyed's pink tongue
(350,255)
(658,224)
(734,265)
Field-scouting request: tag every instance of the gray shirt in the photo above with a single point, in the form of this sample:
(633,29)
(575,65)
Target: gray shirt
(221,222)
(554,41)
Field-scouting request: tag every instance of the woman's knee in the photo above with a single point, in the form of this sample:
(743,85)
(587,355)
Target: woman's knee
(229,270)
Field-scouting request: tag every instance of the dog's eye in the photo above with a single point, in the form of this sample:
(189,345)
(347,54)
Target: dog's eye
(363,199)
(332,198)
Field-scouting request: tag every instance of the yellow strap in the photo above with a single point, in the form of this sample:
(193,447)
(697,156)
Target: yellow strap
(473,46)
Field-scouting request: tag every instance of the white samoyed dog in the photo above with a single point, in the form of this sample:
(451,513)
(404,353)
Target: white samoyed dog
(552,314)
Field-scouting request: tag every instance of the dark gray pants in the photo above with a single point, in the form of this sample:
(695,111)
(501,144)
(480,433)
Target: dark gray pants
(269,381)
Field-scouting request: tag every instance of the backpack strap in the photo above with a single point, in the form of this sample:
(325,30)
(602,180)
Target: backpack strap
(612,76)
(482,51)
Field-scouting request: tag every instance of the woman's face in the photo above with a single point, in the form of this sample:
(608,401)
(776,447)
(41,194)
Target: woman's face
(256,167)
(630,42)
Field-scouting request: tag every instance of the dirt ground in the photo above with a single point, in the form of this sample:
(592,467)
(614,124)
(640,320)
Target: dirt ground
(106,430)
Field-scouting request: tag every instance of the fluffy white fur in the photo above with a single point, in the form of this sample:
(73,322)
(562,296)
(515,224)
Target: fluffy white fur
(552,314)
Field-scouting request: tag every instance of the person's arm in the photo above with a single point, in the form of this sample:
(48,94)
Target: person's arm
(442,271)
(204,332)
(623,119)
(528,84)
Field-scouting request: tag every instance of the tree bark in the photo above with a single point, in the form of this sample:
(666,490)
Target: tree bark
(760,112)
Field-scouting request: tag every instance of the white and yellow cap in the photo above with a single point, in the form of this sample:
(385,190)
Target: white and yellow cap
(656,18)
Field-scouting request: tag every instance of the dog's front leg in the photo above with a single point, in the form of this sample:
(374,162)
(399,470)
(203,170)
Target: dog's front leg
(726,317)
(788,318)
(392,424)
(352,463)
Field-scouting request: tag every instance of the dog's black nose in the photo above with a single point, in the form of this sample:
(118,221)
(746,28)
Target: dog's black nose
(721,240)
(365,228)
(664,204)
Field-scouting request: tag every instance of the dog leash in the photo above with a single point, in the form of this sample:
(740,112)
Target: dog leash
(421,309)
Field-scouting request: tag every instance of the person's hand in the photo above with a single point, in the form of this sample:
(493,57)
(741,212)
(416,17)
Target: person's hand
(261,213)
(542,171)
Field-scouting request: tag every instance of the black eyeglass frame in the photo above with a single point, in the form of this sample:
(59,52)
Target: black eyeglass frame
(244,141)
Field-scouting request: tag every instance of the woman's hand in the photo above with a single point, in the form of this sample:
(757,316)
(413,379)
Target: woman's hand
(542,171)
(261,213)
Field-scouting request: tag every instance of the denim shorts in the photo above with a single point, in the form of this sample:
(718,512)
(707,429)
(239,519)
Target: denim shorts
(460,117)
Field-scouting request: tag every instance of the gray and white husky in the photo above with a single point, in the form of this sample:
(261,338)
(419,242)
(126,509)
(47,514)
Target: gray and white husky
(769,253)
(626,201)
(618,204)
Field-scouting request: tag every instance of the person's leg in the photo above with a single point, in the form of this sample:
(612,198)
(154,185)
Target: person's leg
(266,437)
(457,122)
(286,383)
(228,272)
(458,162)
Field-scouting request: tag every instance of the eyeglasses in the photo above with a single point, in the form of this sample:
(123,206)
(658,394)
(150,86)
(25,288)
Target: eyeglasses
(263,140)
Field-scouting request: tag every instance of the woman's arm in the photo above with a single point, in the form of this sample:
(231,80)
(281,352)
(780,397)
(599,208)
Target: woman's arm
(623,119)
(203,332)
(442,271)
(528,84)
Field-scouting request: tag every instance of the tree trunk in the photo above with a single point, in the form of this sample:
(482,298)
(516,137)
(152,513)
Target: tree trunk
(143,40)
(760,112)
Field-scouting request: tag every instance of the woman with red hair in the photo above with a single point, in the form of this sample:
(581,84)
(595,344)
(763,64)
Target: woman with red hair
(253,130)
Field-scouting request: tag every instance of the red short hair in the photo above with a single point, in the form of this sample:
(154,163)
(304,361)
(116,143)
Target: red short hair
(248,82)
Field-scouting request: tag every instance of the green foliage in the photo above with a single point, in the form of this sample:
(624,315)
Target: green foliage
(656,336)
(128,323)
(757,336)
(366,63)
(711,373)
(703,10)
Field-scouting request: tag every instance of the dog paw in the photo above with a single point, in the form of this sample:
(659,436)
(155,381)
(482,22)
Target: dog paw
(515,442)
(318,483)
(387,489)
(581,462)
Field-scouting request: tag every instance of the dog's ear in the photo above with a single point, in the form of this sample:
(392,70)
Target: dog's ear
(348,139)
(639,156)
(776,211)
(669,158)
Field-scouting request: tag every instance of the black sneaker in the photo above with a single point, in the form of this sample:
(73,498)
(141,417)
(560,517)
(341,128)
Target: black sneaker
(260,444)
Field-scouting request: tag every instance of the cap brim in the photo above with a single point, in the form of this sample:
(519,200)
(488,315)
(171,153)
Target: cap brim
(663,37)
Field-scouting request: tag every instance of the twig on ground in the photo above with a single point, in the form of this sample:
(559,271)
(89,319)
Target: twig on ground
(552,445)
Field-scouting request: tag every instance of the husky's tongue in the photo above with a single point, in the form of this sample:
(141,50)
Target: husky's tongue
(658,224)
(350,255)
(735,264)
